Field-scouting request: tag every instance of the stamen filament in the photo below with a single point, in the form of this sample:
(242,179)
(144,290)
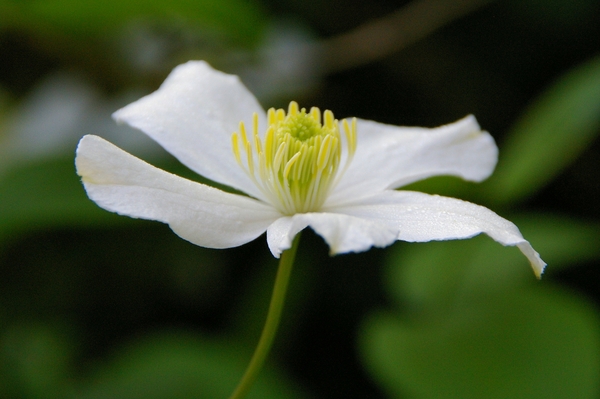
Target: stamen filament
(289,165)
(296,164)
(236,148)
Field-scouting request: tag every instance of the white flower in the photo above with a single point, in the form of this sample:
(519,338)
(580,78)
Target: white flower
(336,177)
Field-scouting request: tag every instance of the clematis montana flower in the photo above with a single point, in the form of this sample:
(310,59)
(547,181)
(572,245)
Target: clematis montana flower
(297,168)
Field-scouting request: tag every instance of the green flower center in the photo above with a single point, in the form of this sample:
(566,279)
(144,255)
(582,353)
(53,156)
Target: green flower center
(296,163)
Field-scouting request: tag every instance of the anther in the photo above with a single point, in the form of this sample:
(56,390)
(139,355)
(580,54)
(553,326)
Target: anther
(293,108)
(316,114)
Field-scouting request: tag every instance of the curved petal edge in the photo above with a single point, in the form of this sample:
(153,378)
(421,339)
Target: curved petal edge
(343,233)
(420,217)
(119,182)
(193,115)
(389,157)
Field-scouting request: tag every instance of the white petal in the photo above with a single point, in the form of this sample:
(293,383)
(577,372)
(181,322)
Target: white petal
(392,156)
(193,115)
(422,217)
(121,183)
(343,233)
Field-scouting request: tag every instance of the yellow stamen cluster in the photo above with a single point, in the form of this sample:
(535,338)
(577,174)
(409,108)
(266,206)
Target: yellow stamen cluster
(296,163)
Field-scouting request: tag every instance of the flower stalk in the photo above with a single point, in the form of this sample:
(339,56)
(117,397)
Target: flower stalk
(271,324)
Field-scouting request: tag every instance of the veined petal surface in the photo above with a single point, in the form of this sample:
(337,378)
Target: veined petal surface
(192,115)
(121,183)
(391,156)
(420,217)
(343,233)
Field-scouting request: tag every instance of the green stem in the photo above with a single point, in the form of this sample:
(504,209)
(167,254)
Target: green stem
(273,316)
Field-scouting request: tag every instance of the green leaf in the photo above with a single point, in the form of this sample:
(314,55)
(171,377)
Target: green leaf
(549,136)
(241,20)
(178,365)
(524,344)
(432,274)
(46,193)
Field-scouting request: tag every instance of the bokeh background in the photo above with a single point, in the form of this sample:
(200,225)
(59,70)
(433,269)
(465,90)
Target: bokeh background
(93,305)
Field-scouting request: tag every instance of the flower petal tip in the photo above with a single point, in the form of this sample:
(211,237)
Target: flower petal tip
(84,148)
(537,264)
(538,269)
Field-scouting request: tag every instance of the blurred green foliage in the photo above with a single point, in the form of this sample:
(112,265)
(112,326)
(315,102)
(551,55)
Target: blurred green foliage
(472,323)
(44,194)
(93,305)
(181,366)
(236,19)
(550,135)
(517,344)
